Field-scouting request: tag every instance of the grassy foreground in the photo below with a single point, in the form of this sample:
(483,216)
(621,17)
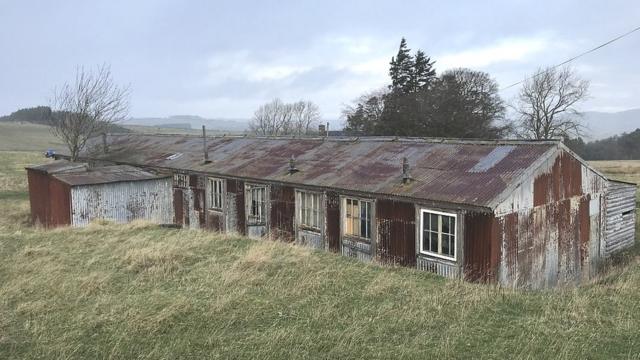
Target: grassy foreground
(138,291)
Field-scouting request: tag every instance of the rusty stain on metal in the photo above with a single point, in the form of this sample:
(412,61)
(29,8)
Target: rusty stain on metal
(283,204)
(481,247)
(396,232)
(333,221)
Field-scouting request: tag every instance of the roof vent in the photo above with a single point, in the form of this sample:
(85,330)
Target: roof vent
(205,152)
(406,178)
(292,166)
(174,156)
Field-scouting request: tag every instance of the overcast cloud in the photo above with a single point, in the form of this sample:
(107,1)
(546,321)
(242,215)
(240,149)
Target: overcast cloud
(223,59)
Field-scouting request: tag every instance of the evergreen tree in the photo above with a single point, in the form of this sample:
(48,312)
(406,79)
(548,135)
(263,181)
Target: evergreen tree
(401,69)
(423,73)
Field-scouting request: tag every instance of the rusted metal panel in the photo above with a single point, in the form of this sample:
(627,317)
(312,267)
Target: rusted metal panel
(481,247)
(122,202)
(465,172)
(562,181)
(333,221)
(49,199)
(396,232)
(548,245)
(215,221)
(38,196)
(283,210)
(178,207)
(235,206)
(60,206)
(199,205)
(620,221)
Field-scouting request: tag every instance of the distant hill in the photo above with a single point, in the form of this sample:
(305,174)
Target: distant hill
(193,121)
(41,115)
(185,126)
(600,125)
(618,147)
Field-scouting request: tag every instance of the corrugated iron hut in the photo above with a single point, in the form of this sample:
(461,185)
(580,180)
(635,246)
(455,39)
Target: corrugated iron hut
(67,193)
(527,214)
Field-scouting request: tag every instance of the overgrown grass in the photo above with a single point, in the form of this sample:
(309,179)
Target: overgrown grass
(139,291)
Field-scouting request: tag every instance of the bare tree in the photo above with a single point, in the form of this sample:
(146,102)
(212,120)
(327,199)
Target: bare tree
(88,107)
(306,117)
(546,104)
(278,118)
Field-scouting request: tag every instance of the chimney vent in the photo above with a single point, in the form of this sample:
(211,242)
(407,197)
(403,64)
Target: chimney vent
(406,178)
(205,152)
(292,166)
(322,130)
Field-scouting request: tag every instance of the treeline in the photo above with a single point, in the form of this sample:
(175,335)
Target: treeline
(460,103)
(43,115)
(619,147)
(35,115)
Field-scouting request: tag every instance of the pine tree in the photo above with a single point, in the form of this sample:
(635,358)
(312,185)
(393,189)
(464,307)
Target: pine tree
(401,69)
(423,73)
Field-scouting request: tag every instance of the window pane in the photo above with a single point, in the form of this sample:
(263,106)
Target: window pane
(433,222)
(445,224)
(433,237)
(445,244)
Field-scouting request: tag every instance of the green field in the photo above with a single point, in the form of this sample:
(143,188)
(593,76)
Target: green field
(139,291)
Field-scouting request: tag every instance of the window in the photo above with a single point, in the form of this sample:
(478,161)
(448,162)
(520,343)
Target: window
(357,218)
(216,193)
(438,236)
(180,180)
(309,209)
(257,208)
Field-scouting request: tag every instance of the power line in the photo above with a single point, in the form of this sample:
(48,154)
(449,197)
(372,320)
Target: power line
(575,57)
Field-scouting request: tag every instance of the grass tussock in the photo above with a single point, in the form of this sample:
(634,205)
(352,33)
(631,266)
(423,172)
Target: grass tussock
(141,291)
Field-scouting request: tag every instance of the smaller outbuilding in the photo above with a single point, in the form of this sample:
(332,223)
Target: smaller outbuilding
(69,193)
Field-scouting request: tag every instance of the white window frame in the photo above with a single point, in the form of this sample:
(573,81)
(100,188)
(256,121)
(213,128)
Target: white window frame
(455,235)
(359,218)
(303,198)
(180,180)
(215,196)
(261,217)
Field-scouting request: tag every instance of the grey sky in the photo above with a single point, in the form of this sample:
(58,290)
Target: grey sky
(222,59)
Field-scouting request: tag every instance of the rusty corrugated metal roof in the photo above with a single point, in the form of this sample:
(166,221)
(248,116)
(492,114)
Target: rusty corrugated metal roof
(58,166)
(106,174)
(455,171)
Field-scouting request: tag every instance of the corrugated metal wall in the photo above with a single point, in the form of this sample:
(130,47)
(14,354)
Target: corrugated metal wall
(123,202)
(562,181)
(49,199)
(333,221)
(620,217)
(235,206)
(396,232)
(547,245)
(481,247)
(283,210)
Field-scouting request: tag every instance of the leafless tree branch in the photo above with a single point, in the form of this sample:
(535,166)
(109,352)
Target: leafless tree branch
(546,104)
(89,106)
